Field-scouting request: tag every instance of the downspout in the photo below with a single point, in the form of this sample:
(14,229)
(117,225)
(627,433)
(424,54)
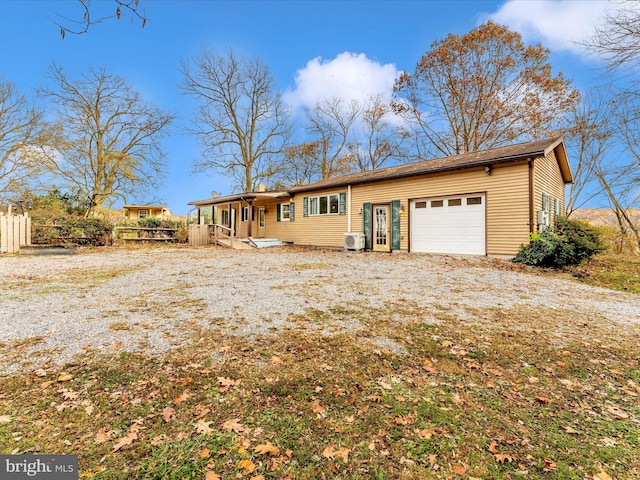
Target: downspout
(348,208)
(531,195)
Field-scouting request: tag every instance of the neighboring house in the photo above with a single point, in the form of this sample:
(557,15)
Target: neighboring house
(483,203)
(137,212)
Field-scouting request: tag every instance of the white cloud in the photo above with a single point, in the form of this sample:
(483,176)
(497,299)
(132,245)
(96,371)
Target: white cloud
(349,76)
(558,24)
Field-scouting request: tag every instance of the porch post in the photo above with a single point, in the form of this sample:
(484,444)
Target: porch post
(249,217)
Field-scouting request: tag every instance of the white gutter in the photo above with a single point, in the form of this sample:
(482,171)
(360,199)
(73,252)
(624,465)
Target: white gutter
(348,208)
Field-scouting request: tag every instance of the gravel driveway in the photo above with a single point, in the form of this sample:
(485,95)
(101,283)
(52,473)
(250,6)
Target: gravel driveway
(55,307)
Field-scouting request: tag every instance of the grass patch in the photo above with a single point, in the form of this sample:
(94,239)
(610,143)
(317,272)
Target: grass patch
(616,272)
(500,398)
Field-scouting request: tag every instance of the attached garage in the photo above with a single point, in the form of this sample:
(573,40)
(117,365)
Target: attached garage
(454,224)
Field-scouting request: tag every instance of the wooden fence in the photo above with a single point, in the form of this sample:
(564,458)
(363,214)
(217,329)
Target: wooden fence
(199,235)
(15,232)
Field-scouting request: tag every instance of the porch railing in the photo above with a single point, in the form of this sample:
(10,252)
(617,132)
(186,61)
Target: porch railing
(221,232)
(212,233)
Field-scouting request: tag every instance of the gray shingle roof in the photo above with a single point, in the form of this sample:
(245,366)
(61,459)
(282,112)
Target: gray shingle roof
(483,158)
(456,162)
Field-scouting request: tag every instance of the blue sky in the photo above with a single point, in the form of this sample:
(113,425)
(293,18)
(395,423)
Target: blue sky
(314,48)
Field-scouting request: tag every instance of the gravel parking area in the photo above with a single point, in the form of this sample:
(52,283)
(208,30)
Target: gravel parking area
(55,307)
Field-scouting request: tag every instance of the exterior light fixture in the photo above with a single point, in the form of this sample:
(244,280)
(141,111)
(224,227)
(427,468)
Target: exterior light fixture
(487,169)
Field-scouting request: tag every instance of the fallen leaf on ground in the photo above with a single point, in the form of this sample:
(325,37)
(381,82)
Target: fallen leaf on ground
(459,469)
(617,412)
(212,476)
(226,383)
(426,433)
(200,411)
(168,413)
(5,418)
(127,440)
(247,466)
(103,435)
(602,476)
(159,440)
(318,409)
(267,449)
(203,427)
(233,425)
(331,452)
(68,394)
(385,385)
(65,377)
(492,447)
(503,457)
(181,398)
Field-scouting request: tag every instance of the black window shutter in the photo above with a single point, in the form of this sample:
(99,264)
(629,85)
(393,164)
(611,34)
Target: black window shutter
(395,225)
(366,227)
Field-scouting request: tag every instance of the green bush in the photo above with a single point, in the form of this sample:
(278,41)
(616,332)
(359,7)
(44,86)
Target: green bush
(78,230)
(150,222)
(572,242)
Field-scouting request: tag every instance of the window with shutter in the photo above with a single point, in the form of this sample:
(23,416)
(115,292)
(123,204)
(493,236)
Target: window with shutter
(333,204)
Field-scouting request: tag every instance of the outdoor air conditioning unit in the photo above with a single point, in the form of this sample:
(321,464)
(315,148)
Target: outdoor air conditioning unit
(543,220)
(354,241)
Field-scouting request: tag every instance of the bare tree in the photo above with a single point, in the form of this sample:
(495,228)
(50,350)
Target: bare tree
(78,26)
(241,120)
(622,197)
(106,141)
(589,139)
(300,165)
(482,90)
(622,184)
(330,123)
(381,141)
(19,139)
(618,40)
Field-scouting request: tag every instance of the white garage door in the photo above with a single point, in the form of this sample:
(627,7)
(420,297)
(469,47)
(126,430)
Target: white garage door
(454,224)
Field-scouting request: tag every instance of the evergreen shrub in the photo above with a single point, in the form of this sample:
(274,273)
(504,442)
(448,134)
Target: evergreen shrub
(571,243)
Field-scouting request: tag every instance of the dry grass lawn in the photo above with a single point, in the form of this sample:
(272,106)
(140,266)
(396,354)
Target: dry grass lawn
(519,393)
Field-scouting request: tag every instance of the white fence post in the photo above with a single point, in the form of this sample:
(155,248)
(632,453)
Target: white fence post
(15,232)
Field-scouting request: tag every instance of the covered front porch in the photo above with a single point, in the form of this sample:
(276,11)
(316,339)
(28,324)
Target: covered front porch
(235,221)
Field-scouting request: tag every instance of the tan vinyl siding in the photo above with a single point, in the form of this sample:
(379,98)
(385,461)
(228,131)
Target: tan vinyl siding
(548,180)
(318,230)
(506,192)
